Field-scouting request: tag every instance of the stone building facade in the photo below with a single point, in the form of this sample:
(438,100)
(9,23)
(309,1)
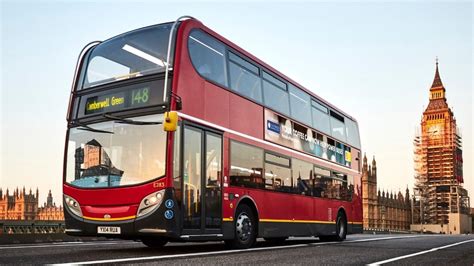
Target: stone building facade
(24,206)
(383,210)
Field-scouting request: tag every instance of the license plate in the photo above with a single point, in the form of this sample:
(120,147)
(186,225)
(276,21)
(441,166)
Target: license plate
(108,230)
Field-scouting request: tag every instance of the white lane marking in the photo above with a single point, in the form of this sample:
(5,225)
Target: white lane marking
(419,253)
(69,244)
(380,238)
(220,252)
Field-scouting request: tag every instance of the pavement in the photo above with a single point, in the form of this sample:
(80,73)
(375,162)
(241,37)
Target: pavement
(356,250)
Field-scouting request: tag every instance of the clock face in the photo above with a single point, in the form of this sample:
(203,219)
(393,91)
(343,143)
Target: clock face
(434,130)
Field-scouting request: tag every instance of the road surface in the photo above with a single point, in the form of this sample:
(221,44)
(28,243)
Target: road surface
(356,250)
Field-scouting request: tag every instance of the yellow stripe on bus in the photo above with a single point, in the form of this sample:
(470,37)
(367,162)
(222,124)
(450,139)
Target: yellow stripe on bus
(110,219)
(295,221)
(291,221)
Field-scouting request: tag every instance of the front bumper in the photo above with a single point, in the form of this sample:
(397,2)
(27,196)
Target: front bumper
(152,224)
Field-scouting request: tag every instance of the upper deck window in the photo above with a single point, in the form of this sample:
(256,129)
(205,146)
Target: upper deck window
(208,56)
(244,78)
(352,131)
(337,126)
(133,54)
(300,105)
(320,117)
(275,94)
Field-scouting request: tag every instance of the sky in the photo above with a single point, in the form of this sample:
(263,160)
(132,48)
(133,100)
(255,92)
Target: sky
(376,61)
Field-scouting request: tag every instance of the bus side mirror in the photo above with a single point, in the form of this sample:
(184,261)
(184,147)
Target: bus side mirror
(170,121)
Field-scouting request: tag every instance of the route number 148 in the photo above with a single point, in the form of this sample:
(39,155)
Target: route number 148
(140,96)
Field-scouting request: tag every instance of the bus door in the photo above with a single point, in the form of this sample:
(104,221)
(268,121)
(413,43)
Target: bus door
(202,176)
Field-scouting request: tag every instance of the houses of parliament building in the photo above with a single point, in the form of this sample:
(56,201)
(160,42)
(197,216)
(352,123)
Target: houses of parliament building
(383,210)
(24,206)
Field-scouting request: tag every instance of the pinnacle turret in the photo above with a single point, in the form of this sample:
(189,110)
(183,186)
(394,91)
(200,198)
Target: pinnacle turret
(364,162)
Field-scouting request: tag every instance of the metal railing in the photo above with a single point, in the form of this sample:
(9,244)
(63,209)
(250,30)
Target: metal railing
(31,227)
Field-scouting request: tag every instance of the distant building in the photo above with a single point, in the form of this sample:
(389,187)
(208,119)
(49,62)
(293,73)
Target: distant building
(383,211)
(49,211)
(24,206)
(441,203)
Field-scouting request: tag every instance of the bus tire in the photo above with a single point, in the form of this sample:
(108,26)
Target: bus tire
(341,229)
(154,242)
(245,225)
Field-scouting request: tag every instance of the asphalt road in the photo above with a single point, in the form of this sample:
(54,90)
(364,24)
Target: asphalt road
(357,250)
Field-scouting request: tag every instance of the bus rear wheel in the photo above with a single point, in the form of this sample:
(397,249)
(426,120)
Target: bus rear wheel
(341,229)
(245,229)
(154,242)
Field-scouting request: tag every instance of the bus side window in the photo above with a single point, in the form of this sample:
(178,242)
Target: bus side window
(322,182)
(277,177)
(244,78)
(208,56)
(302,177)
(246,165)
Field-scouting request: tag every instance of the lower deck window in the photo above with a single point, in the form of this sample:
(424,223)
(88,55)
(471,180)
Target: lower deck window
(246,166)
(251,168)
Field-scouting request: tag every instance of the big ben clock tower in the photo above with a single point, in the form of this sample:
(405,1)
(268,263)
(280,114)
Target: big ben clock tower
(441,199)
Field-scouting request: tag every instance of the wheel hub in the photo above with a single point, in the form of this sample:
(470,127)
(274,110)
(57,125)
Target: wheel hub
(243,227)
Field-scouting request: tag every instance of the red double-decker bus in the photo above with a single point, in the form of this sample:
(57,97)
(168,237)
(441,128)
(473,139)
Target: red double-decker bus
(177,134)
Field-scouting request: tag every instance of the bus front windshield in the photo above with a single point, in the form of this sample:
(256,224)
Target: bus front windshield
(133,54)
(113,153)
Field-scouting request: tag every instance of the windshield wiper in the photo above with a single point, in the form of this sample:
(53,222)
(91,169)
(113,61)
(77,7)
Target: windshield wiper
(88,128)
(129,121)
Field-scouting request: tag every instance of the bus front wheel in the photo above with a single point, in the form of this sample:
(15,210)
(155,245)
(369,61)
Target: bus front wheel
(244,227)
(154,242)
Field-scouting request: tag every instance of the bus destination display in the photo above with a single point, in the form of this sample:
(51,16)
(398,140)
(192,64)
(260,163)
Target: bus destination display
(119,100)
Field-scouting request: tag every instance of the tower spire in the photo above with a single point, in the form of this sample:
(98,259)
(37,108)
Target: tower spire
(437,83)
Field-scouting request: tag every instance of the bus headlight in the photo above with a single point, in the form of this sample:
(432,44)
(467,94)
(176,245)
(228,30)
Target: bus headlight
(150,203)
(73,205)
